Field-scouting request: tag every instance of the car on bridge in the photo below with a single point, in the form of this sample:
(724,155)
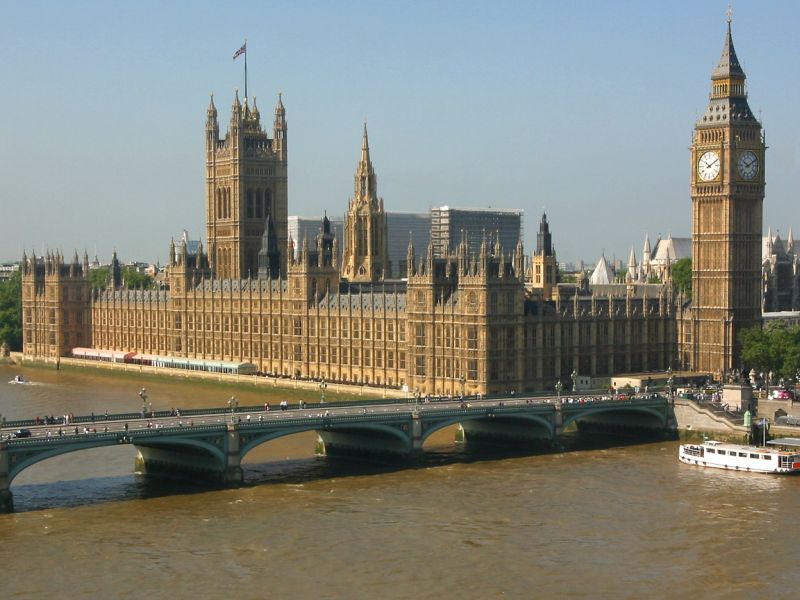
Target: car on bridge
(21,433)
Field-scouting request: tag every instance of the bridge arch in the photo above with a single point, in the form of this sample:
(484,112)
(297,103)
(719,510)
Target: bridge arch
(388,430)
(489,416)
(654,414)
(164,442)
(28,461)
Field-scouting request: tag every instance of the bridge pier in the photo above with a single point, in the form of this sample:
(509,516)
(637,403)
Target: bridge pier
(233,475)
(192,463)
(416,434)
(6,497)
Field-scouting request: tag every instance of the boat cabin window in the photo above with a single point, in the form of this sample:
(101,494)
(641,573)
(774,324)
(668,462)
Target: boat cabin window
(721,452)
(743,454)
(754,456)
(710,450)
(767,457)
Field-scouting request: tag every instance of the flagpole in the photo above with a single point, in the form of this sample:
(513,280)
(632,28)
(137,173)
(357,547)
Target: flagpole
(245,68)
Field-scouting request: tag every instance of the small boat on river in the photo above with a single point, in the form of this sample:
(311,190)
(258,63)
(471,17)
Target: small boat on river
(19,380)
(735,457)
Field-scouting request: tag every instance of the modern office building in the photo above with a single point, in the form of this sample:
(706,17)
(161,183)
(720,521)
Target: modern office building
(404,228)
(450,224)
(307,228)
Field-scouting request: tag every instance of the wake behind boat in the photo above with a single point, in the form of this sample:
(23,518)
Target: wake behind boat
(739,458)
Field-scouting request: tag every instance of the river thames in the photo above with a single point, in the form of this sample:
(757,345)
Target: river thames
(616,522)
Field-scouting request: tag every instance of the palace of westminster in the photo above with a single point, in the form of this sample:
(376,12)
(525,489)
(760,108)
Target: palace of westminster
(470,321)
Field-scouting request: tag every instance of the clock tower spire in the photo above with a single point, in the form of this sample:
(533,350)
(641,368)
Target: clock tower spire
(727,188)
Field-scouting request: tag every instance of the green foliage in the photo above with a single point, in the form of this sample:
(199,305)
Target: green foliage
(682,276)
(133,279)
(11,312)
(567,278)
(98,277)
(774,348)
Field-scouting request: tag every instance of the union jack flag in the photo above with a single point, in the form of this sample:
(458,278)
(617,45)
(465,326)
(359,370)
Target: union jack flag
(240,51)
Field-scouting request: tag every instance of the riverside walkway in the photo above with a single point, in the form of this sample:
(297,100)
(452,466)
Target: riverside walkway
(209,444)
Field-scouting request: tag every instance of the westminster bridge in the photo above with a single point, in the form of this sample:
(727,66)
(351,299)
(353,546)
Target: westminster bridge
(209,444)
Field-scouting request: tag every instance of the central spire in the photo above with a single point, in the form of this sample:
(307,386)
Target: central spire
(728,66)
(365,147)
(366,187)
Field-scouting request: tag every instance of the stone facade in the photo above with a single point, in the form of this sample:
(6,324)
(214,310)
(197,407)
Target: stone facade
(727,188)
(246,182)
(467,320)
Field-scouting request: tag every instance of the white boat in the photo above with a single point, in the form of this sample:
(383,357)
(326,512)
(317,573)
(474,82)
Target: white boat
(739,458)
(19,380)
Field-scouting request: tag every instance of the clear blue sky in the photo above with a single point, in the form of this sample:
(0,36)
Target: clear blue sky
(584,108)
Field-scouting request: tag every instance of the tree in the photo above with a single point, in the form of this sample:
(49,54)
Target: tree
(98,277)
(11,312)
(133,279)
(775,348)
(682,276)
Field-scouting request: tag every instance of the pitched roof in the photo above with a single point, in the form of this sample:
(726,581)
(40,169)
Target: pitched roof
(603,273)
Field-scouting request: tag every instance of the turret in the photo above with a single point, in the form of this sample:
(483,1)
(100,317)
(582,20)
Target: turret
(279,129)
(115,273)
(212,126)
(410,258)
(236,113)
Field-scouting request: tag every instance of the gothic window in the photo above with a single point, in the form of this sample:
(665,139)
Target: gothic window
(420,335)
(472,369)
(419,365)
(250,201)
(472,338)
(260,204)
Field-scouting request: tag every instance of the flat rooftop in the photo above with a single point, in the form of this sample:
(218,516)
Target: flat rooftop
(792,442)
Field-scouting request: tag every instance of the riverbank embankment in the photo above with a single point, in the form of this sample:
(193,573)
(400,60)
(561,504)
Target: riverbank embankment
(257,381)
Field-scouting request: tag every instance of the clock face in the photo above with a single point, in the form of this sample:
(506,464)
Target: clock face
(748,165)
(708,166)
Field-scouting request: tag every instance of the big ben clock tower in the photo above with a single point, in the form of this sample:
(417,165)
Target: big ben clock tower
(727,186)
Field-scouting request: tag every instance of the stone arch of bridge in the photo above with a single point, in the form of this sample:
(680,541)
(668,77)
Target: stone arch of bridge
(659,416)
(29,461)
(533,419)
(371,428)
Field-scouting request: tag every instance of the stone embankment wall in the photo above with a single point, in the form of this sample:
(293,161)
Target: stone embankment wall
(256,380)
(690,419)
